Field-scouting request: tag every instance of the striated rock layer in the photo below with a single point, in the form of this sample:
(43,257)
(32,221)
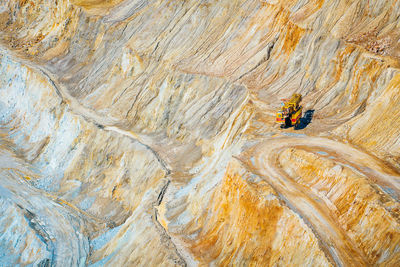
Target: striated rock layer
(141,133)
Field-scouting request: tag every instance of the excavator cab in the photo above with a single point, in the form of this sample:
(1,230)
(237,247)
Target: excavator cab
(290,112)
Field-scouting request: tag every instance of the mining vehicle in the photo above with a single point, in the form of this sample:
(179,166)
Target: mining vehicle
(290,112)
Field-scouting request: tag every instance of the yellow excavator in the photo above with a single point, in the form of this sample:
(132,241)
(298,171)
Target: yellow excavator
(290,112)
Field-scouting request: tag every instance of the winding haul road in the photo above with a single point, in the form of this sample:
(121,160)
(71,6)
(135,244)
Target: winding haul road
(262,159)
(57,226)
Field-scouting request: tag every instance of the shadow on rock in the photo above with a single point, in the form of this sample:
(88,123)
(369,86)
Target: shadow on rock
(306,119)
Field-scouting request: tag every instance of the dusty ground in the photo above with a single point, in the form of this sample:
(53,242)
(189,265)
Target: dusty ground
(142,133)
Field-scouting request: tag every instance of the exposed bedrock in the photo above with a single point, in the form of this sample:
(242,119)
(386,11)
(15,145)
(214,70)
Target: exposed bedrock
(141,133)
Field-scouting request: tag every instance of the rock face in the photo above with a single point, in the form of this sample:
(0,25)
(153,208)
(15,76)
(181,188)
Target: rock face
(141,133)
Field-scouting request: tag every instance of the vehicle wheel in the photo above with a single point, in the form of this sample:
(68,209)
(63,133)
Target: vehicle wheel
(288,122)
(297,125)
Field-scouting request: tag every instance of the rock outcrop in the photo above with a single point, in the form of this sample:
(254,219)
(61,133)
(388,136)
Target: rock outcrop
(141,133)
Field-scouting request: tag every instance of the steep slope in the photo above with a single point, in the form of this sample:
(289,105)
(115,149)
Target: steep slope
(149,126)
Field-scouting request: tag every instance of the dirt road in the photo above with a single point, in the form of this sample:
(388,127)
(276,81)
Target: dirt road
(263,160)
(57,226)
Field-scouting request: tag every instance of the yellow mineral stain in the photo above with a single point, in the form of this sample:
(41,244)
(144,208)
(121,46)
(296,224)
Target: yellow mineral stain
(341,59)
(244,220)
(360,208)
(89,4)
(96,8)
(237,206)
(292,37)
